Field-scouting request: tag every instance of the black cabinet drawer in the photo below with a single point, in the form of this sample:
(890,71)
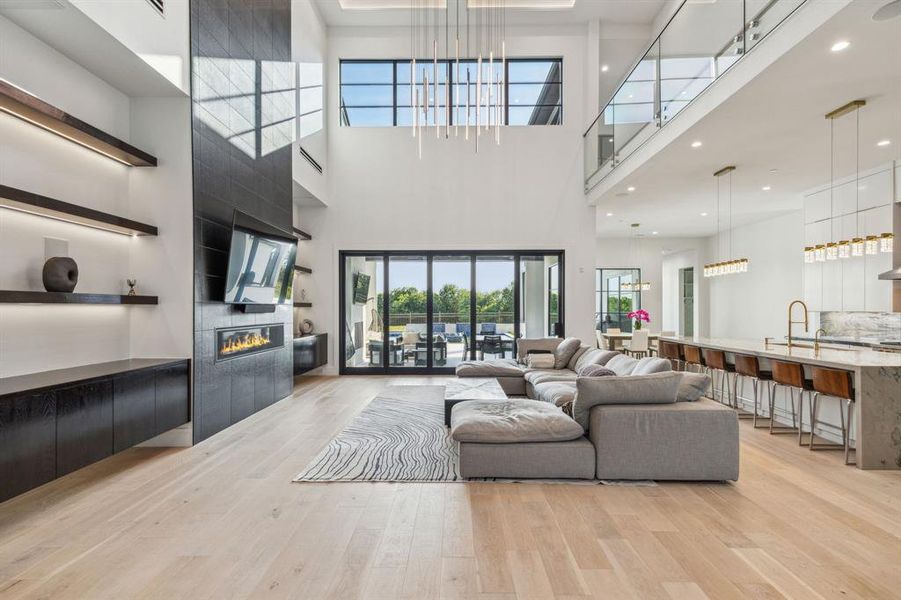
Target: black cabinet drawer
(84,425)
(134,409)
(172,396)
(28,442)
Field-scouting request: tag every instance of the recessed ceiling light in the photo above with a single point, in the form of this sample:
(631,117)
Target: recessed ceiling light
(703,214)
(630,188)
(882,143)
(840,45)
(774,171)
(653,233)
(609,214)
(696,144)
(766,188)
(605,68)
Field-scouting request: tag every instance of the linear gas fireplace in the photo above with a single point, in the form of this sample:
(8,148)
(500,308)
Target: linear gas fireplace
(233,342)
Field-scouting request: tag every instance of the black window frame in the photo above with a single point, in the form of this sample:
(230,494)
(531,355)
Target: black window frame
(430,255)
(624,322)
(448,64)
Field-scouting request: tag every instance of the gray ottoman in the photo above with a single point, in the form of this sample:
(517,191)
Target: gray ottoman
(506,370)
(520,439)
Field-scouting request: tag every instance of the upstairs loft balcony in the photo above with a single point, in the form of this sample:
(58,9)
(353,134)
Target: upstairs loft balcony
(700,43)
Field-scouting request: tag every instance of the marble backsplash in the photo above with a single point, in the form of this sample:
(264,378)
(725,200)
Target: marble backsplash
(862,325)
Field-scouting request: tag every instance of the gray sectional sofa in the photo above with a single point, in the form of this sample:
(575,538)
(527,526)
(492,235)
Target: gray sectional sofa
(645,422)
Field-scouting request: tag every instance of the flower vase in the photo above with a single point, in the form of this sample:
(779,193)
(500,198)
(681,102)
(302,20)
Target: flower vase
(637,325)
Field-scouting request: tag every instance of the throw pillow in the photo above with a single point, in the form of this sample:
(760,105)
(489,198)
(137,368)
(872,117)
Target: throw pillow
(565,351)
(692,387)
(541,361)
(595,371)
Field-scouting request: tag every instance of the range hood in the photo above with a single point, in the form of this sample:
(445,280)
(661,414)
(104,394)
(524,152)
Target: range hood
(893,275)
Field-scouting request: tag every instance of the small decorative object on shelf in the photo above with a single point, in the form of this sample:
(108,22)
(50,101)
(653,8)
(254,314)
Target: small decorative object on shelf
(60,274)
(638,317)
(303,294)
(306,327)
(131,286)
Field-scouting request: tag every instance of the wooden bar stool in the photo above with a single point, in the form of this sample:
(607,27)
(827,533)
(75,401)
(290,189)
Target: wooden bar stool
(836,384)
(671,351)
(748,366)
(790,375)
(692,357)
(716,360)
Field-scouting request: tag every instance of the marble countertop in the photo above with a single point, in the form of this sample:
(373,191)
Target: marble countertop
(828,357)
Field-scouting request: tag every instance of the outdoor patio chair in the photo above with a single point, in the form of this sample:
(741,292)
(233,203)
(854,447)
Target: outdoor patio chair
(492,344)
(488,329)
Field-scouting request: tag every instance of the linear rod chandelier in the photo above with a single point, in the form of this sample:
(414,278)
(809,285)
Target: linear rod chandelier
(471,89)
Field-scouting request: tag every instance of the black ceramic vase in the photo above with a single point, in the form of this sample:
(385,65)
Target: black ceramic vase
(60,274)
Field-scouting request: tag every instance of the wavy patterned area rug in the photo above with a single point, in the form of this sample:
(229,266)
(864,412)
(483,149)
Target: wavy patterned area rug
(399,436)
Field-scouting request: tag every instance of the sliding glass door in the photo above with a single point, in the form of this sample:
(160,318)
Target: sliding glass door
(451,306)
(424,311)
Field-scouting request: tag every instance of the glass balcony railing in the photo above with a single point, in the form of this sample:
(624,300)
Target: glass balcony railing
(701,41)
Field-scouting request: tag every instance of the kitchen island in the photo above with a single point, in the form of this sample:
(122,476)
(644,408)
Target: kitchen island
(877,388)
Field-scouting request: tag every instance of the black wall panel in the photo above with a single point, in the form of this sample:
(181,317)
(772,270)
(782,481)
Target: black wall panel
(244,104)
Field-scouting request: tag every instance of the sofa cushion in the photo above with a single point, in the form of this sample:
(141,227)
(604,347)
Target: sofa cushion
(565,351)
(526,345)
(658,388)
(540,361)
(500,367)
(622,365)
(595,356)
(595,371)
(651,364)
(580,351)
(692,386)
(558,393)
(511,422)
(536,376)
(680,441)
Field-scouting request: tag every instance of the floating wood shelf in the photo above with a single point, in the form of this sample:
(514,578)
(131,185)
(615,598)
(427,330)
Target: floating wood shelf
(303,305)
(300,269)
(21,104)
(16,199)
(29,297)
(302,235)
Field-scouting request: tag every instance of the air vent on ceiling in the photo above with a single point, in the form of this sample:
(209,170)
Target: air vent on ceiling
(158,5)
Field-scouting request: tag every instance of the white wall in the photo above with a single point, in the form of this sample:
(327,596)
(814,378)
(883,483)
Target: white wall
(309,48)
(525,194)
(42,337)
(163,42)
(753,305)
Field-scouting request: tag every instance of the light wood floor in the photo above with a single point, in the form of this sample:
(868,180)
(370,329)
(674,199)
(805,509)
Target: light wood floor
(223,520)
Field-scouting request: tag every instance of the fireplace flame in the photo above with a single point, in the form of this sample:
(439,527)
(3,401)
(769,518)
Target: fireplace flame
(241,343)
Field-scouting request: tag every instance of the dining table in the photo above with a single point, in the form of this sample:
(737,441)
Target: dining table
(614,340)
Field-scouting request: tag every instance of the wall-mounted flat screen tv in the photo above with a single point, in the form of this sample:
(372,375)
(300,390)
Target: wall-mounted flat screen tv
(361,288)
(260,263)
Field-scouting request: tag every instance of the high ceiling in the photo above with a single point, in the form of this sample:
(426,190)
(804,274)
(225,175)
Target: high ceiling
(543,12)
(774,131)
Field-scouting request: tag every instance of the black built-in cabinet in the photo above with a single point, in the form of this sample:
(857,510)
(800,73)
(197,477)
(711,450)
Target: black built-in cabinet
(62,426)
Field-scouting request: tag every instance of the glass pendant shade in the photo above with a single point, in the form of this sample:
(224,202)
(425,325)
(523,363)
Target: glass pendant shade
(808,254)
(844,249)
(743,265)
(886,242)
(819,253)
(831,251)
(871,245)
(857,247)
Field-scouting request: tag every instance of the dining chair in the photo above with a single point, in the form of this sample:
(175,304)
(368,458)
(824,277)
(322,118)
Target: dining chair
(638,347)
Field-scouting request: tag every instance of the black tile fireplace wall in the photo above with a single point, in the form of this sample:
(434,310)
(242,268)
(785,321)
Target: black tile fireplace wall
(241,51)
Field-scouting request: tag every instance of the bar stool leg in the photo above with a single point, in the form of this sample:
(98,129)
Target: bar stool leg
(848,435)
(782,429)
(814,411)
(755,383)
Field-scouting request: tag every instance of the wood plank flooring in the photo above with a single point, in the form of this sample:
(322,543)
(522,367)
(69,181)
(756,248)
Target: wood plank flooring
(223,520)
